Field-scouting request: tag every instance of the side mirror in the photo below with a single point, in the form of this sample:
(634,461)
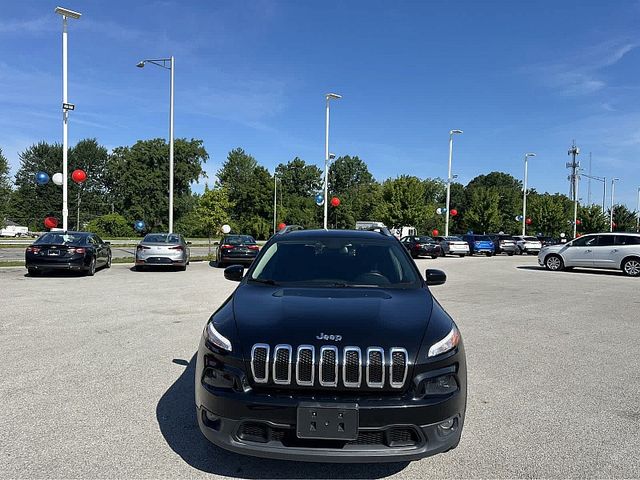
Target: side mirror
(107,243)
(215,244)
(188,243)
(234,273)
(434,277)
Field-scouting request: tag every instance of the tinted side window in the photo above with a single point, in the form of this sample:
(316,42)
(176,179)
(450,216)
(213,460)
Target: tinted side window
(627,240)
(588,241)
(605,240)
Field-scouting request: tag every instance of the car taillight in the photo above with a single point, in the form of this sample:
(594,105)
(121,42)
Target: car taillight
(142,247)
(179,247)
(33,249)
(418,245)
(254,247)
(226,246)
(77,250)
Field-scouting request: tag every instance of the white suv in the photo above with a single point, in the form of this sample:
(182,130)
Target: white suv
(617,251)
(527,244)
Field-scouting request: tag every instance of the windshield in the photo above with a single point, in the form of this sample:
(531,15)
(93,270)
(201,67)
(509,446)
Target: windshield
(424,239)
(453,239)
(161,238)
(340,262)
(239,240)
(531,239)
(62,238)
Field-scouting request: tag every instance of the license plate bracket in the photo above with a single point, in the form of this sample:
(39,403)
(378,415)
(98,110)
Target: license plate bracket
(327,421)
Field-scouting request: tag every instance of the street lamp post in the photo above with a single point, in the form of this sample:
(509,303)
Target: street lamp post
(163,62)
(275,202)
(446,222)
(613,191)
(66,13)
(328,96)
(524,195)
(638,212)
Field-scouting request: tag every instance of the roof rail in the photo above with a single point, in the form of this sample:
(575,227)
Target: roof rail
(289,228)
(382,230)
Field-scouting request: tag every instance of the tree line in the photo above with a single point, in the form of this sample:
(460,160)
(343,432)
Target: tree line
(131,183)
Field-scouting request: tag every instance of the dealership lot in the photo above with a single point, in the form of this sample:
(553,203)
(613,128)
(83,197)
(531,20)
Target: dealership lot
(97,375)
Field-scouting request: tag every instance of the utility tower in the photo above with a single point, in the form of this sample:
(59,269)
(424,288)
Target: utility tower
(574,178)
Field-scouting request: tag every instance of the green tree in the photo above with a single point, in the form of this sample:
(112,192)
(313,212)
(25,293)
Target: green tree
(213,210)
(509,190)
(138,179)
(299,183)
(592,219)
(250,190)
(402,202)
(483,213)
(623,218)
(548,215)
(5,186)
(110,226)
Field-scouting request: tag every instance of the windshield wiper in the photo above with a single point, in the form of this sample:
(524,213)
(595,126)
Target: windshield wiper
(266,281)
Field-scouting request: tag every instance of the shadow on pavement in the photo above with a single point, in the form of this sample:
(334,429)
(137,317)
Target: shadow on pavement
(583,271)
(176,415)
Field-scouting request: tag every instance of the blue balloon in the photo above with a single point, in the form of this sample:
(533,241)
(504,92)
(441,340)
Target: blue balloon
(139,225)
(42,178)
(319,199)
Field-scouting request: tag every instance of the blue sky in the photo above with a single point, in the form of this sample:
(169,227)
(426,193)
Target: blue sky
(515,76)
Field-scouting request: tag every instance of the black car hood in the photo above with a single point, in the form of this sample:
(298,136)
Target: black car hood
(361,316)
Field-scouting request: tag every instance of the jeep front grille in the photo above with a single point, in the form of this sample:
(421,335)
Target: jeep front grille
(348,367)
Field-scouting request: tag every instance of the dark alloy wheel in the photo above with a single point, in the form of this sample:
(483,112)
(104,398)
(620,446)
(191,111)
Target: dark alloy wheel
(108,265)
(554,263)
(92,267)
(631,267)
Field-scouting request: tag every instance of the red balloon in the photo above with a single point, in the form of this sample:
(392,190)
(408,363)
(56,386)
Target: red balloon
(50,222)
(78,176)
(578,222)
(529,221)
(435,232)
(454,212)
(281,225)
(335,202)
(615,224)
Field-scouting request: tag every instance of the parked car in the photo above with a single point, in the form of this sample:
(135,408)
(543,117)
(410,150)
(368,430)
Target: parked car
(479,244)
(503,243)
(547,241)
(527,244)
(163,249)
(15,231)
(237,249)
(79,251)
(332,348)
(615,251)
(452,246)
(417,246)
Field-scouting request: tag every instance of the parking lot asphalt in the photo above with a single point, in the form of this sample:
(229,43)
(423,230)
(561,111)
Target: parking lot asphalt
(16,254)
(97,375)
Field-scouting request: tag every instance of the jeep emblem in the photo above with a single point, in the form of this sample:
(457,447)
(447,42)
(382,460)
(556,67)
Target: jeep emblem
(324,336)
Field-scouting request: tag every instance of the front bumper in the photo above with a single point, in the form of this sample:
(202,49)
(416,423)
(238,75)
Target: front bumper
(392,427)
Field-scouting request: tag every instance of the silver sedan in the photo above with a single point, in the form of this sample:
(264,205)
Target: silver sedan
(163,249)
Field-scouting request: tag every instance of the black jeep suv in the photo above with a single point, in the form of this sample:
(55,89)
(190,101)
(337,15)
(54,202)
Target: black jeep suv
(332,349)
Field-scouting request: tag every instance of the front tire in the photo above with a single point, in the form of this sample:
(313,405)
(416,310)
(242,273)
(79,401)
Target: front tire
(434,256)
(462,255)
(631,267)
(510,254)
(554,263)
(108,264)
(489,254)
(33,272)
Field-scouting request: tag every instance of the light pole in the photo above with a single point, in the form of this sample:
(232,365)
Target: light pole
(446,222)
(328,96)
(162,62)
(613,191)
(638,212)
(66,106)
(275,202)
(524,195)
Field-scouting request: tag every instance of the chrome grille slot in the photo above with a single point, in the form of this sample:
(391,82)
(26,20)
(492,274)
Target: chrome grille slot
(328,370)
(375,367)
(305,365)
(282,364)
(260,362)
(397,367)
(352,367)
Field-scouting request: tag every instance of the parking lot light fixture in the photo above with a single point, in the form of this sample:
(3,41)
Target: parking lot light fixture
(169,64)
(66,13)
(524,194)
(449,178)
(328,96)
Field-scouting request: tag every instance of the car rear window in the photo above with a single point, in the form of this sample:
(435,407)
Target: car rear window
(481,238)
(424,239)
(531,239)
(62,238)
(336,262)
(239,240)
(161,238)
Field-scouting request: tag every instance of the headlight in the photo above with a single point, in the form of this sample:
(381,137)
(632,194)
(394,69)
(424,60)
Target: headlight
(217,338)
(447,343)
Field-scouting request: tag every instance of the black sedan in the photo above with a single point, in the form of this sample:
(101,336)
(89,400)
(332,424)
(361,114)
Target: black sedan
(79,251)
(236,249)
(417,246)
